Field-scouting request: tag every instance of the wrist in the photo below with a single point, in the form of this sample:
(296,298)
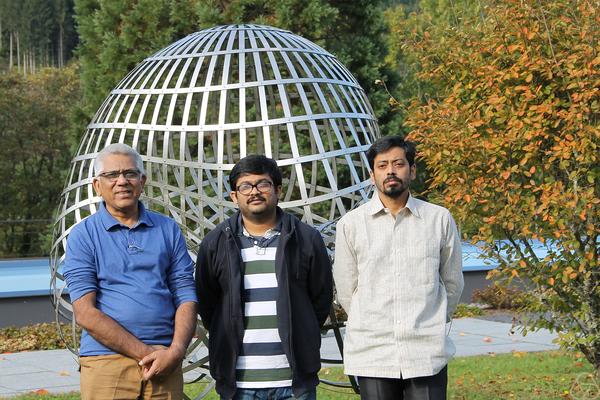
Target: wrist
(178,349)
(143,351)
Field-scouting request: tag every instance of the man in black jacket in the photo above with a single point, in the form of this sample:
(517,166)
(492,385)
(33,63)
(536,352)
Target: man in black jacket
(264,286)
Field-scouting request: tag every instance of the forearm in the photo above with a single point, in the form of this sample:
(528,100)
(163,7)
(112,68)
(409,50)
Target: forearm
(345,268)
(185,326)
(109,333)
(451,268)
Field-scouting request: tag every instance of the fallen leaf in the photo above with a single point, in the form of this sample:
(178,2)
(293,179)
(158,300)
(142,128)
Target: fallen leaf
(461,334)
(65,373)
(487,339)
(41,391)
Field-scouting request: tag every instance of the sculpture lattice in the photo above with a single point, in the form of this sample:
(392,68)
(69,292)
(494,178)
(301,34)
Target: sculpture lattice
(193,109)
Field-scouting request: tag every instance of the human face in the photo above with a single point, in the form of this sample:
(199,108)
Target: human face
(392,174)
(121,196)
(256,204)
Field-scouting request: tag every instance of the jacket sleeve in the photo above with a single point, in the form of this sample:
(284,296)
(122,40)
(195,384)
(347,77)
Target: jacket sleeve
(451,266)
(207,288)
(320,279)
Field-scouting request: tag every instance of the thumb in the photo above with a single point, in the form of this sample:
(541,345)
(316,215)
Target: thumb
(148,359)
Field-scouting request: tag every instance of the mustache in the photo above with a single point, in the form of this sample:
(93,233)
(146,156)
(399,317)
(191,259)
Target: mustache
(392,179)
(256,197)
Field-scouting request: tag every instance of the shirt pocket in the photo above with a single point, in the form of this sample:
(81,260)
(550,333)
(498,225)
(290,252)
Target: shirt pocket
(422,264)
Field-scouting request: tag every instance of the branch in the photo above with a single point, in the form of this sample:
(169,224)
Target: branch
(547,33)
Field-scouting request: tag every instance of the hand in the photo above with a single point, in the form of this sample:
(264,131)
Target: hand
(161,362)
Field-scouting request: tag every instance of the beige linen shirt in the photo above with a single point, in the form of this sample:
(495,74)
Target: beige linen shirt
(399,279)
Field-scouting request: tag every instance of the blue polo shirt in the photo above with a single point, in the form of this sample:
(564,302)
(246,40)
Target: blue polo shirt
(140,274)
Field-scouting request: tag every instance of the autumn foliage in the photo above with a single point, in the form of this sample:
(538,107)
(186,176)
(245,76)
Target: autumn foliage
(511,140)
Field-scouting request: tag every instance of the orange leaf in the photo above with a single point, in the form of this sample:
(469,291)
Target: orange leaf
(551,281)
(505,174)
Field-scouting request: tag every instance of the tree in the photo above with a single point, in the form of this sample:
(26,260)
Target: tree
(35,131)
(408,23)
(511,141)
(116,35)
(36,33)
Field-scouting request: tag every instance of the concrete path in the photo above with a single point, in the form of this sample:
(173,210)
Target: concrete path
(55,371)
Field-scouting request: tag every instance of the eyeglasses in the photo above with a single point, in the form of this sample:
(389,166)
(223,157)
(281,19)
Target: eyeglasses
(113,176)
(262,186)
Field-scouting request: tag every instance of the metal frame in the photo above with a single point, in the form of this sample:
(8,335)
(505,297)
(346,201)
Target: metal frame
(193,109)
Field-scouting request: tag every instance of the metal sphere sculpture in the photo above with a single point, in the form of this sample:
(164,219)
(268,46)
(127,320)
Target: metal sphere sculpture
(195,108)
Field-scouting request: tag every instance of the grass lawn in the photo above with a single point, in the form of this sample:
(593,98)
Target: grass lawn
(545,375)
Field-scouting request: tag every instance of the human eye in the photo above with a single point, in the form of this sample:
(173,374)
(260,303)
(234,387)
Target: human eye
(245,187)
(263,185)
(131,174)
(111,174)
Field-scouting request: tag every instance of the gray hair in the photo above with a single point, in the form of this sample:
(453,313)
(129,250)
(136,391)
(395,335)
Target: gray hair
(118,148)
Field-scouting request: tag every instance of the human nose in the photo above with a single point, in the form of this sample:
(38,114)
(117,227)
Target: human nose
(121,180)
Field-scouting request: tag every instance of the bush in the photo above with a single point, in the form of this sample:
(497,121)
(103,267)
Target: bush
(34,337)
(467,311)
(500,297)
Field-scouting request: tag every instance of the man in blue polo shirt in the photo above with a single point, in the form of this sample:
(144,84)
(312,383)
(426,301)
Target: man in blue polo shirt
(131,283)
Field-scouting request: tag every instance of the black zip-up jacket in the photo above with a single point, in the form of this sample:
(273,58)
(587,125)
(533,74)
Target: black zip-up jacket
(305,282)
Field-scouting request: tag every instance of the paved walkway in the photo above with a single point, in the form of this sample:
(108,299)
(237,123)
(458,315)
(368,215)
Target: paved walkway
(55,371)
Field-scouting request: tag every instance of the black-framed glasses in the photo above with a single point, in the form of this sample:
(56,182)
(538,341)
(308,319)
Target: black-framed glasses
(113,176)
(262,186)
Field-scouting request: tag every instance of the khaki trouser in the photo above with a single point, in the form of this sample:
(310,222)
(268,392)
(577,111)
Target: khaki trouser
(115,376)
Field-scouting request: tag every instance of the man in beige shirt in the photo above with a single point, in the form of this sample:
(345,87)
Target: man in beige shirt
(398,274)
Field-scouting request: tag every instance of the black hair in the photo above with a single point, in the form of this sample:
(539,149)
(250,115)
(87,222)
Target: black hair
(385,143)
(255,164)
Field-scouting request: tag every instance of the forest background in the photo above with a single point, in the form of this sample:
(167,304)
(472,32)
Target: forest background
(503,97)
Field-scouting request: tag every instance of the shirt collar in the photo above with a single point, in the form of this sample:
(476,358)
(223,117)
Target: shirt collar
(276,230)
(109,222)
(376,206)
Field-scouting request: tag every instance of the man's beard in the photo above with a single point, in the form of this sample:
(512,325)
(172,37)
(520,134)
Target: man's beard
(394,191)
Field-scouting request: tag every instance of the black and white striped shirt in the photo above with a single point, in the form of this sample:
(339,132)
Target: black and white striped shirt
(262,362)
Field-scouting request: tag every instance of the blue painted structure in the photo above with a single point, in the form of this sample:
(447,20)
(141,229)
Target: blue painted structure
(24,277)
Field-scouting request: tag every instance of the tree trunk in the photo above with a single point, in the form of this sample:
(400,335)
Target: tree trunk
(61,60)
(10,57)
(18,53)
